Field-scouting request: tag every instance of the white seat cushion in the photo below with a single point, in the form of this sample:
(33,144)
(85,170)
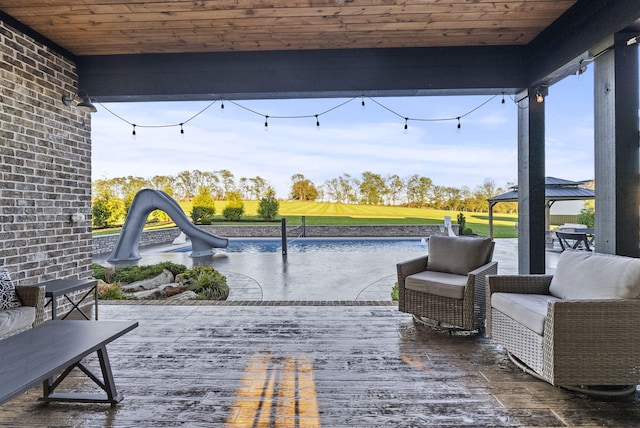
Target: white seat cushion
(16,319)
(529,310)
(438,283)
(586,275)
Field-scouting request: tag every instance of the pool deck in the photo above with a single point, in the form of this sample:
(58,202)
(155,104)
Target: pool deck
(336,276)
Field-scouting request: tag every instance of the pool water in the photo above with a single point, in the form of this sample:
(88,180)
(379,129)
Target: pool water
(322,245)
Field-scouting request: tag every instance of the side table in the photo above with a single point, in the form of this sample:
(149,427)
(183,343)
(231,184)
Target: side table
(63,287)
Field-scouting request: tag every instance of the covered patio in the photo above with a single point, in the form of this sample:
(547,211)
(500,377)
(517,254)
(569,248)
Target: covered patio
(370,365)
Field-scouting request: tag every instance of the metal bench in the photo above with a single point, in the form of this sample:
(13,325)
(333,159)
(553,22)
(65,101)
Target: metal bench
(54,349)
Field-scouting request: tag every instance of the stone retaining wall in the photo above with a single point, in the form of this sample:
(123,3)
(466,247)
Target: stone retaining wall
(105,244)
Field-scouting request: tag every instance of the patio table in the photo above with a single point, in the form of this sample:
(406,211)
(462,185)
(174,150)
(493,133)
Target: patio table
(38,354)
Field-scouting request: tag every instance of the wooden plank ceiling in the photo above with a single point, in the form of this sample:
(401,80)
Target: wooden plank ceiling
(106,27)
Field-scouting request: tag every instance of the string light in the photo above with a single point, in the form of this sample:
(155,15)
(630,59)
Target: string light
(363,104)
(316,115)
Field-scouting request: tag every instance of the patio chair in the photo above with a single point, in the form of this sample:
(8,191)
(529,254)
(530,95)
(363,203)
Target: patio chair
(447,287)
(573,240)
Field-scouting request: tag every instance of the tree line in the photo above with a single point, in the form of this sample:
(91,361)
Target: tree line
(112,197)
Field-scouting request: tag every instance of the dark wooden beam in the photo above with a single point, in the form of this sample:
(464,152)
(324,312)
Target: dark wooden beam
(531,186)
(303,74)
(616,149)
(588,25)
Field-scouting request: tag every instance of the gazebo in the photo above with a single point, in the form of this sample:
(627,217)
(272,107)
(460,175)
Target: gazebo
(555,189)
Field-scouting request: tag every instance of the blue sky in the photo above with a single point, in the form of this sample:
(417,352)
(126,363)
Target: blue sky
(351,139)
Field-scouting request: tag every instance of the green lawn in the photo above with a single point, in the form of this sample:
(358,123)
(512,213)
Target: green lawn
(325,213)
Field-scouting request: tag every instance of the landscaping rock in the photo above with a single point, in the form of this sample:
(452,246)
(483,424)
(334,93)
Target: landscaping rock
(173,289)
(187,295)
(166,277)
(156,293)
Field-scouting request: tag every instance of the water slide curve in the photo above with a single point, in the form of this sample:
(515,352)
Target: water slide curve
(148,200)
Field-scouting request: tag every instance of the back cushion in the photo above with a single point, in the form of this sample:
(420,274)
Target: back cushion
(587,275)
(8,298)
(458,255)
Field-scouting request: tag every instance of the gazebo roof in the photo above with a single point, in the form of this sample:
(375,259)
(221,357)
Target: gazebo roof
(556,189)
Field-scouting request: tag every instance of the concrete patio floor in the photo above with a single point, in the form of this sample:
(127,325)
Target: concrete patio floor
(338,361)
(348,365)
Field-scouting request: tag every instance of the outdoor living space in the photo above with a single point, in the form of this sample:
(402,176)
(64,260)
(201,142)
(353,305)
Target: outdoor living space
(316,362)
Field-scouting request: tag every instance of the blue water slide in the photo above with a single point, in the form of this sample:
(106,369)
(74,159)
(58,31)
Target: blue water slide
(148,200)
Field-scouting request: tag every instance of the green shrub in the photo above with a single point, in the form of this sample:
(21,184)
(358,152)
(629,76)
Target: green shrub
(587,216)
(394,292)
(462,221)
(268,206)
(127,274)
(112,292)
(207,282)
(200,213)
(466,231)
(232,213)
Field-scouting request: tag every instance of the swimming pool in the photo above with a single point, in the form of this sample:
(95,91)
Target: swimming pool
(321,245)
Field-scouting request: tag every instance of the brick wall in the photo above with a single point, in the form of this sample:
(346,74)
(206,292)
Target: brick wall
(45,153)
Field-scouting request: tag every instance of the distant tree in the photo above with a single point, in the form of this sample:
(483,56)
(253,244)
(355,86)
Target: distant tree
(419,191)
(302,189)
(269,205)
(234,210)
(185,189)
(227,180)
(259,187)
(349,186)
(395,188)
(373,188)
(130,186)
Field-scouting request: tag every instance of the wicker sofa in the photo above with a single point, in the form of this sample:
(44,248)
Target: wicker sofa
(19,314)
(578,329)
(447,287)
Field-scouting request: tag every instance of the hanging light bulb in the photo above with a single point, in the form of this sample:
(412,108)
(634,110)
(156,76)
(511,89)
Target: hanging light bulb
(133,133)
(406,125)
(181,129)
(503,98)
(317,122)
(222,106)
(539,97)
(266,123)
(363,104)
(459,125)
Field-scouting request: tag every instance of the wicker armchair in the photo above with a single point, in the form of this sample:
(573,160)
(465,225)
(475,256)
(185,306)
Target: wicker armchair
(33,295)
(447,288)
(586,343)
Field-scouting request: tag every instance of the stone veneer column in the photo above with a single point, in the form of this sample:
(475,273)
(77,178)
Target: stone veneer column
(45,157)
